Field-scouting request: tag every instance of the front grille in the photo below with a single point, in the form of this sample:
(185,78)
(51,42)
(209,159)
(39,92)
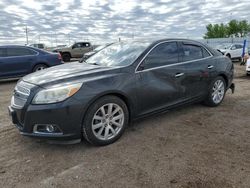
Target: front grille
(21,94)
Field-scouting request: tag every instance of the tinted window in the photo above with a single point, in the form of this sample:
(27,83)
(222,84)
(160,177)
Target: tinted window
(78,45)
(86,44)
(238,46)
(163,54)
(19,52)
(2,52)
(191,52)
(205,53)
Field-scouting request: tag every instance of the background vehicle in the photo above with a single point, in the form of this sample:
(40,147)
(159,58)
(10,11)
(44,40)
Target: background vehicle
(74,51)
(39,45)
(248,66)
(17,61)
(91,53)
(233,51)
(122,82)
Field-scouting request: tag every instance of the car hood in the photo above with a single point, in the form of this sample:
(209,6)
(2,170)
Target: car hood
(223,50)
(64,73)
(89,53)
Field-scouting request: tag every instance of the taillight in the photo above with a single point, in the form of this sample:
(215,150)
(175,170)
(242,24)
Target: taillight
(59,56)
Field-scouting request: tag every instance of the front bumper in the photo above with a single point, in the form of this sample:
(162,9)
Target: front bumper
(67,116)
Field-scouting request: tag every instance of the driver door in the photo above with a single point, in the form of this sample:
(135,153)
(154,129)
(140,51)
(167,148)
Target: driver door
(160,79)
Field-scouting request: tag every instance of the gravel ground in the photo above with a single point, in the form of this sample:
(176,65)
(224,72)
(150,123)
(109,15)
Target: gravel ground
(190,147)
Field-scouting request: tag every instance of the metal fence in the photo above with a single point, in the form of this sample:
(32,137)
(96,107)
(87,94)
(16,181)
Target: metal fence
(55,39)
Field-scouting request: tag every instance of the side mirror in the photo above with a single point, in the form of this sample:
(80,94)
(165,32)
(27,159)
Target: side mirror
(233,48)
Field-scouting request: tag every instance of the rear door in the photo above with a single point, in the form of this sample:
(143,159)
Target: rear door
(86,47)
(199,66)
(3,72)
(160,78)
(17,62)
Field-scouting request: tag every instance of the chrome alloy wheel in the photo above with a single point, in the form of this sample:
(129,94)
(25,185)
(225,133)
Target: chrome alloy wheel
(218,91)
(108,121)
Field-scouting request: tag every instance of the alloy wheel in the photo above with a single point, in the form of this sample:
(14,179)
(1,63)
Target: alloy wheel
(218,91)
(108,121)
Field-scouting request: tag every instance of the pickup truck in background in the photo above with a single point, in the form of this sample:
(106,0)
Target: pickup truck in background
(75,50)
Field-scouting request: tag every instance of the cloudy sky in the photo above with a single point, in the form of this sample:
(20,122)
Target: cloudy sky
(63,21)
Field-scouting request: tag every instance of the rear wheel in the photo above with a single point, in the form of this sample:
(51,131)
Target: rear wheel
(105,121)
(39,67)
(216,93)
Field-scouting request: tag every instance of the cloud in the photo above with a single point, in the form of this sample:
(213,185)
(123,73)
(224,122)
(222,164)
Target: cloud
(63,21)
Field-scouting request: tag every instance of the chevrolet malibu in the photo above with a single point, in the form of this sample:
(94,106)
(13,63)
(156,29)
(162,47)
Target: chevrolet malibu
(97,99)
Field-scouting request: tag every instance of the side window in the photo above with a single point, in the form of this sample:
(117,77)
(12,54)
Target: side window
(77,45)
(19,52)
(2,52)
(85,45)
(205,53)
(191,52)
(163,54)
(238,46)
(233,47)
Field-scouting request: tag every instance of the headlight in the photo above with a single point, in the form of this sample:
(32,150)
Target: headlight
(56,94)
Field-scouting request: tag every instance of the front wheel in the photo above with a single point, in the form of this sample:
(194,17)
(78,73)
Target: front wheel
(216,93)
(105,121)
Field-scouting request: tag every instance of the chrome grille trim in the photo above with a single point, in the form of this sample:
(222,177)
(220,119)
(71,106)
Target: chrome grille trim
(21,94)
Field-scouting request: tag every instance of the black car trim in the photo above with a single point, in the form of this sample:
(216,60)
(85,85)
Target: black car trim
(179,63)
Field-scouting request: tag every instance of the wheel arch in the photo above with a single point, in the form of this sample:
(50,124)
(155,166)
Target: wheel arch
(225,78)
(66,53)
(39,63)
(118,94)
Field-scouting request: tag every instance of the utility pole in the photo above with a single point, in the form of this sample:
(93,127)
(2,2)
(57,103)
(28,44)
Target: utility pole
(26,32)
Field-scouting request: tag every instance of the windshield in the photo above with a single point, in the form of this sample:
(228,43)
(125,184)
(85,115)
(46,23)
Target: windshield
(99,48)
(120,54)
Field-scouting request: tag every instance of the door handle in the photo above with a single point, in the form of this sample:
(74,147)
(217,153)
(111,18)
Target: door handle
(210,66)
(177,75)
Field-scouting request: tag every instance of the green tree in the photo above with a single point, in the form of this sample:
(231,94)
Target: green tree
(216,31)
(233,29)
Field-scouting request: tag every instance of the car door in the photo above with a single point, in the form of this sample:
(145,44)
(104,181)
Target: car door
(86,47)
(17,62)
(3,54)
(239,50)
(199,66)
(77,50)
(234,51)
(159,78)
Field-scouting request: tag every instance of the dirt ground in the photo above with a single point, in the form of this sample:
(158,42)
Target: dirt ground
(190,147)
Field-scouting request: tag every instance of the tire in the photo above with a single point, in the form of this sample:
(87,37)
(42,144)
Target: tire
(66,57)
(39,67)
(215,98)
(105,121)
(229,56)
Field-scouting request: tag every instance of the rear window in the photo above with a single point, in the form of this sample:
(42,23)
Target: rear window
(19,52)
(193,52)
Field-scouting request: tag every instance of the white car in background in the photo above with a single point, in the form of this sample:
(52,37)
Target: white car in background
(248,66)
(233,51)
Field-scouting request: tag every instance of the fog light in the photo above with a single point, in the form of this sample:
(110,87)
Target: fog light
(46,129)
(50,128)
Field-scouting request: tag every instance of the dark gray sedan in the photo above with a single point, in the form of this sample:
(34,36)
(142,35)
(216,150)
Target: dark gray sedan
(97,99)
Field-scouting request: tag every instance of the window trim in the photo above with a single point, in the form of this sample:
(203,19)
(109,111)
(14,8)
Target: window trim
(179,63)
(37,53)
